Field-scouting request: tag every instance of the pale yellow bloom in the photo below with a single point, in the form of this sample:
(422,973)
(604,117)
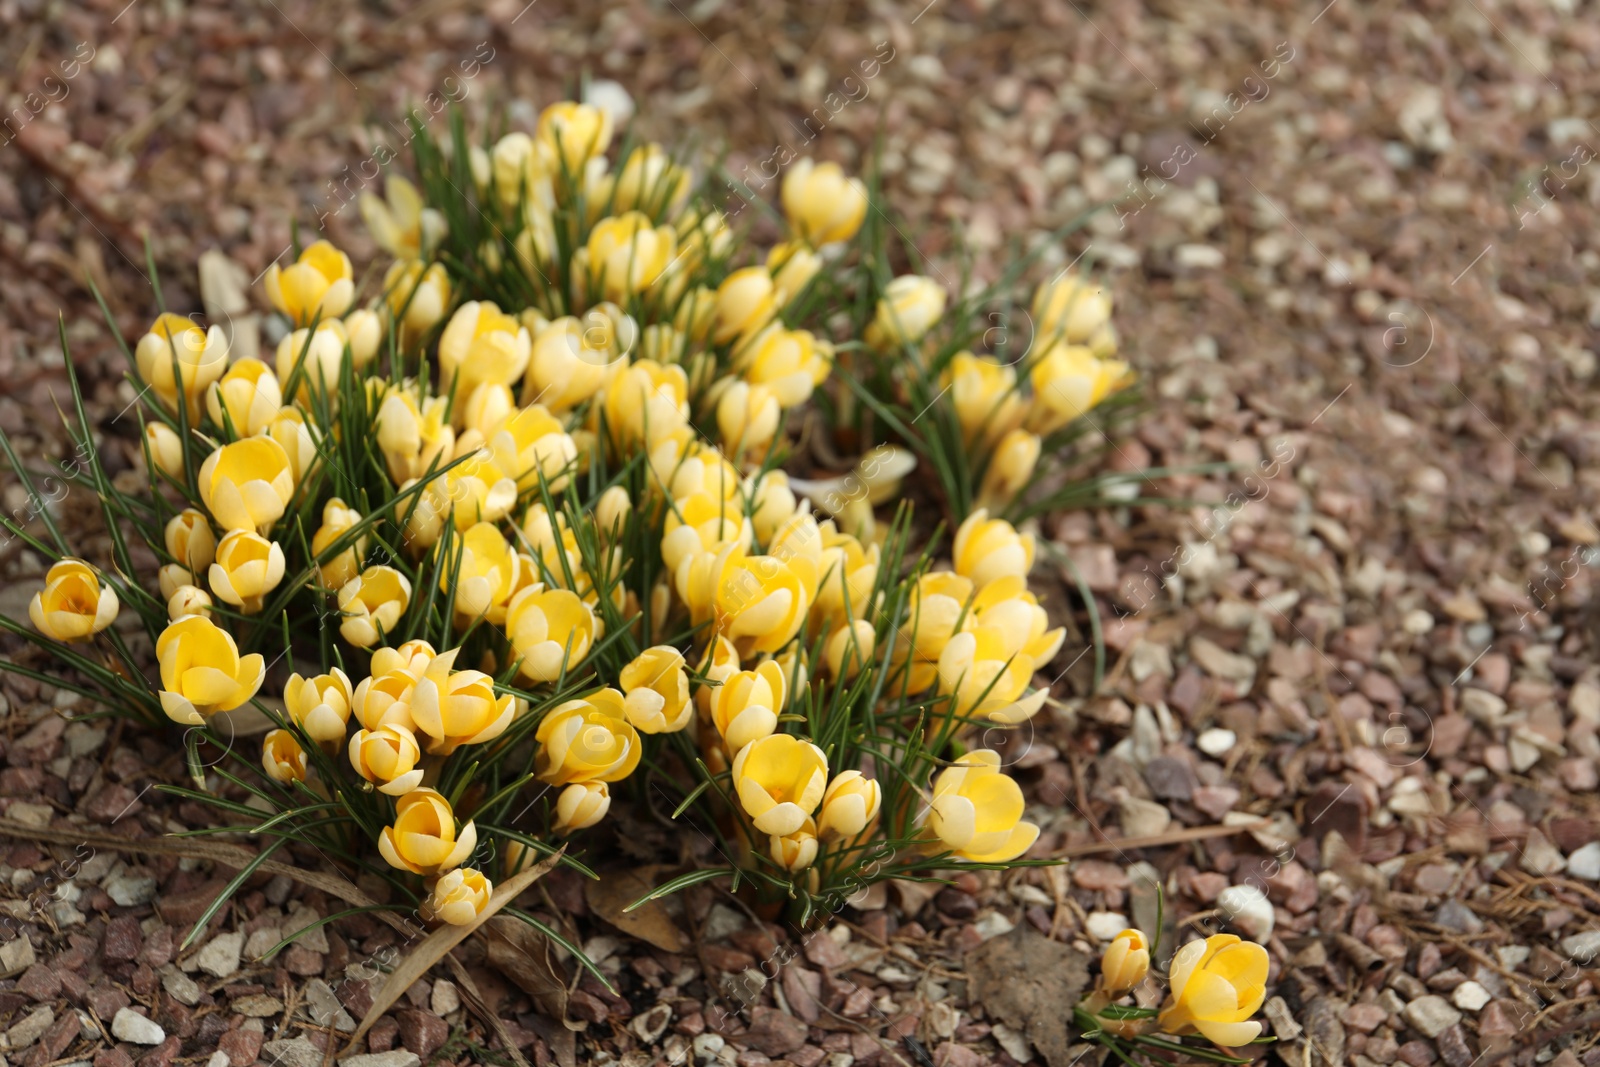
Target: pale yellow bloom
(792,266)
(574,132)
(1068,381)
(458,897)
(656,685)
(247,568)
(987,667)
(490,572)
(248,484)
(821,203)
(762,601)
(478,490)
(645,402)
(797,850)
(986,549)
(384,698)
(746,706)
(297,438)
(772,503)
(282,757)
(850,571)
(424,515)
(611,513)
(580,805)
(413,436)
(1125,963)
(202,671)
(165,449)
(418,296)
(387,757)
(574,358)
(188,600)
(424,838)
(791,363)
(626,254)
(780,780)
(910,305)
(747,300)
(452,708)
(549,630)
(587,740)
(1010,467)
(337,521)
(400,223)
(747,417)
(696,314)
(976,810)
(73,606)
(201,357)
(481,344)
(519,167)
(320,706)
(320,354)
(849,805)
(649,181)
(701,523)
(485,409)
(174,576)
(371,605)
(850,648)
(984,392)
(1217,984)
(320,283)
(1070,309)
(1008,605)
(531,445)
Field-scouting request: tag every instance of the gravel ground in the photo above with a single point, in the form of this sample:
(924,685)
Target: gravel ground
(1360,679)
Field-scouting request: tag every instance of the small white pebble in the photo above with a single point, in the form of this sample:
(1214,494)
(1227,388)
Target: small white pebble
(1585,862)
(1470,996)
(1104,925)
(1247,908)
(1216,741)
(1417,622)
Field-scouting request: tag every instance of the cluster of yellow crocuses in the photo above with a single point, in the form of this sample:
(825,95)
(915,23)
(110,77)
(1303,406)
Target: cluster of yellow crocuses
(1215,985)
(446,462)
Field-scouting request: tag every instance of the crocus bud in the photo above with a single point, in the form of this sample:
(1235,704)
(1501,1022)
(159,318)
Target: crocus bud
(574,133)
(976,811)
(550,630)
(248,567)
(489,573)
(188,600)
(202,672)
(418,296)
(321,283)
(645,402)
(201,357)
(1125,963)
(611,513)
(911,304)
(651,182)
(372,604)
(984,392)
(746,706)
(581,805)
(848,806)
(795,851)
(458,897)
(780,780)
(387,757)
(297,438)
(792,266)
(424,838)
(821,204)
(282,757)
(1010,468)
(337,521)
(747,300)
(657,688)
(1217,984)
(320,706)
(245,398)
(166,449)
(747,418)
(1070,309)
(849,649)
(1068,381)
(413,435)
(317,354)
(986,549)
(248,484)
(189,539)
(73,606)
(626,255)
(789,362)
(481,344)
(530,445)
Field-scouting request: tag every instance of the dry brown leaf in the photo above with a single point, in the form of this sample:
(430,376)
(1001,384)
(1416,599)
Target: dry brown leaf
(1029,982)
(522,954)
(610,896)
(436,945)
